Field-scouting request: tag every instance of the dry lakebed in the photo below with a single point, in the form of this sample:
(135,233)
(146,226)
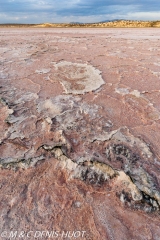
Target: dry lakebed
(80,133)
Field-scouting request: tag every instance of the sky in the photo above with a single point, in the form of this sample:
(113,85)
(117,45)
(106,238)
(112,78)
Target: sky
(85,11)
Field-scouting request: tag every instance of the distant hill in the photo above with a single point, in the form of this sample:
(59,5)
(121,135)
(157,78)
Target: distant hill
(104,24)
(113,20)
(76,23)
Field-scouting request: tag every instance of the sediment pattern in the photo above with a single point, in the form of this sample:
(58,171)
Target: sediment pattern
(80,132)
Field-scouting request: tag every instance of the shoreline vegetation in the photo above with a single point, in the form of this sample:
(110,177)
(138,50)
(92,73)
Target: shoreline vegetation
(108,24)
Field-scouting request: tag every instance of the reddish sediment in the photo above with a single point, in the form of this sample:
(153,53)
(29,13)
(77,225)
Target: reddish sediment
(80,132)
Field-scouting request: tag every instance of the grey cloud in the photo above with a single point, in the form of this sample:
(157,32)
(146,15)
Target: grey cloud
(64,8)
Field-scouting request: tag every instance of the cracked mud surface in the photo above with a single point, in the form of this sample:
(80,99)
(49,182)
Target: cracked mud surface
(80,131)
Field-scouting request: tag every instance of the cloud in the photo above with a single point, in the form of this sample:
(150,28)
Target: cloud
(144,15)
(28,11)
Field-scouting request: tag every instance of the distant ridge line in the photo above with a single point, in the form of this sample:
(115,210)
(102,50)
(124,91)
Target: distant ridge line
(107,23)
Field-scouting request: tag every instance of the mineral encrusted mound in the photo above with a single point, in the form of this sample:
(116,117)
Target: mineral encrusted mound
(80,133)
(77,78)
